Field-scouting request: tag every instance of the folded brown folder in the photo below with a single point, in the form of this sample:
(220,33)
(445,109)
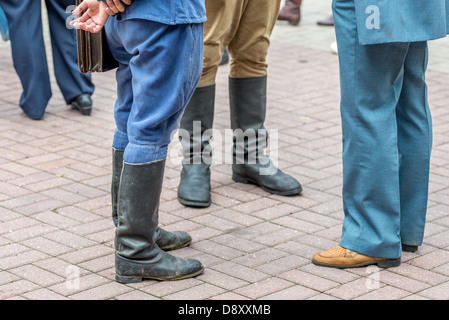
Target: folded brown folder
(93,51)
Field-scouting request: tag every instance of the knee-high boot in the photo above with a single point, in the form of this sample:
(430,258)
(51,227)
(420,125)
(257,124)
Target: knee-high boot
(137,253)
(195,134)
(165,240)
(251,165)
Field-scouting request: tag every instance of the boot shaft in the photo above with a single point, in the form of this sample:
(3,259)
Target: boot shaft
(138,205)
(248,104)
(195,130)
(117,165)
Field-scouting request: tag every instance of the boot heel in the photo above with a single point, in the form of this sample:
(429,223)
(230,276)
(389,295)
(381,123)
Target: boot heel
(127,279)
(389,263)
(239,179)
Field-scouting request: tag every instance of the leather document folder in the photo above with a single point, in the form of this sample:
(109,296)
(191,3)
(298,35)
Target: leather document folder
(93,51)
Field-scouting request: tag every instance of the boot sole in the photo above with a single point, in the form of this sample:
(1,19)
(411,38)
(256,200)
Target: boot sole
(407,248)
(177,247)
(240,179)
(136,279)
(381,264)
(195,204)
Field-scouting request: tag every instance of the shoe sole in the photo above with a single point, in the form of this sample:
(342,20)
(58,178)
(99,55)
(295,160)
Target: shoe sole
(84,111)
(240,179)
(381,264)
(136,279)
(407,248)
(195,204)
(174,248)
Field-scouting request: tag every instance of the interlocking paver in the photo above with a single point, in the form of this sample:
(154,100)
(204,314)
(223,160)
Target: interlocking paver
(56,231)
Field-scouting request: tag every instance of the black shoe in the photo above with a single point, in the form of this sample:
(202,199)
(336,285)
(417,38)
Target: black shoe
(83,103)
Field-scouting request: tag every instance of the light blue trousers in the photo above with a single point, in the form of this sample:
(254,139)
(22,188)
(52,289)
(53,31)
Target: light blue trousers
(159,68)
(387,140)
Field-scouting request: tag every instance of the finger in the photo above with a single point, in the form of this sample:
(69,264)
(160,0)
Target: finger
(77,23)
(96,29)
(127,2)
(119,5)
(80,8)
(110,12)
(112,6)
(80,25)
(90,27)
(85,17)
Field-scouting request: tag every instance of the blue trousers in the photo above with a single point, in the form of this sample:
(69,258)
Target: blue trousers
(387,140)
(29,57)
(159,68)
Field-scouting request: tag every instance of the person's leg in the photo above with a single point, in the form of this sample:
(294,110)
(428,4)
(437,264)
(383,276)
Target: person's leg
(248,100)
(371,82)
(71,81)
(162,82)
(371,79)
(223,20)
(250,42)
(28,54)
(196,124)
(415,144)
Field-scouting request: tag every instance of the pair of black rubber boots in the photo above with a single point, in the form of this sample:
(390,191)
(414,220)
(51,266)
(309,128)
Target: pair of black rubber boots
(247,99)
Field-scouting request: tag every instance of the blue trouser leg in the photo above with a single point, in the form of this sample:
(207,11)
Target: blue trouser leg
(65,59)
(30,60)
(375,86)
(159,68)
(28,53)
(415,144)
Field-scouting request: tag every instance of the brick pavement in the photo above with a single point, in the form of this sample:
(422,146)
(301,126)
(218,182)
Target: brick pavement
(56,234)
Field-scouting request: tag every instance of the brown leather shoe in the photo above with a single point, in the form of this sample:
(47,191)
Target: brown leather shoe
(339,257)
(291,12)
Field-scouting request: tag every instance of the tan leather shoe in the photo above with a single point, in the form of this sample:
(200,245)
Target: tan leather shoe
(339,257)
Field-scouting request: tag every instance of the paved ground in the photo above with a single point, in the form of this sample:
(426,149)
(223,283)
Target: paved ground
(56,234)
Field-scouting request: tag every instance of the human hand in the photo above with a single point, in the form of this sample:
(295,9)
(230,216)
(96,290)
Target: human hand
(93,19)
(116,6)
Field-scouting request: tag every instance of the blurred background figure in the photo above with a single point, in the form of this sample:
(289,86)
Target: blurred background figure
(328,21)
(30,60)
(291,12)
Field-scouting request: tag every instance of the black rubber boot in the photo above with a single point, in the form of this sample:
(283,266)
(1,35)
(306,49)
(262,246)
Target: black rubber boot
(251,165)
(137,254)
(195,134)
(165,240)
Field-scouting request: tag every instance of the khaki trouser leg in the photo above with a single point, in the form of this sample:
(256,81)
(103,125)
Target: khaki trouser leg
(244,26)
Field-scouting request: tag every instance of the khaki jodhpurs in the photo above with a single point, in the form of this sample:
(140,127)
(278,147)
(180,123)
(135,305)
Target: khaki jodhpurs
(244,27)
